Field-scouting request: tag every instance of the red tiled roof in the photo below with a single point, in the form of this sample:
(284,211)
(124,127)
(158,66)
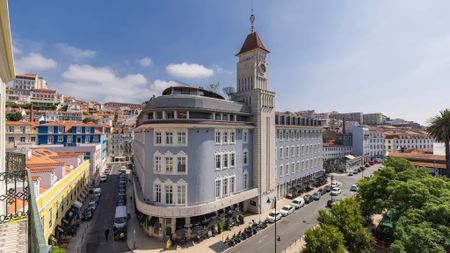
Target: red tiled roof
(252,42)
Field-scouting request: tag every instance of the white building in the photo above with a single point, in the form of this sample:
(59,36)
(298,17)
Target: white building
(331,151)
(376,143)
(121,141)
(46,96)
(360,140)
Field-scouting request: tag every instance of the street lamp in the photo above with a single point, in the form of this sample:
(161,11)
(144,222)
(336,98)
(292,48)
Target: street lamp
(277,238)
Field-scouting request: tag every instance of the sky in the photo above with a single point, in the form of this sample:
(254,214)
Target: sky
(389,56)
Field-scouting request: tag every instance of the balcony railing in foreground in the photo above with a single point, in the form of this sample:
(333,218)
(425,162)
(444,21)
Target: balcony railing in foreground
(18,202)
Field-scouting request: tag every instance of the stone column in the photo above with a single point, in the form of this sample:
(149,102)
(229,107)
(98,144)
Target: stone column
(187,223)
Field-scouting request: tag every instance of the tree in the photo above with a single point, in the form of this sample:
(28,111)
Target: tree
(14,116)
(213,88)
(399,164)
(346,216)
(86,120)
(439,129)
(324,239)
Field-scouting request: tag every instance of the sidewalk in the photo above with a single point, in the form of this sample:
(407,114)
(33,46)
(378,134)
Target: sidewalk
(148,244)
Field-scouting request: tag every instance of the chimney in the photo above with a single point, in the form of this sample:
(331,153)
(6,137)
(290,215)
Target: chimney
(343,126)
(31,113)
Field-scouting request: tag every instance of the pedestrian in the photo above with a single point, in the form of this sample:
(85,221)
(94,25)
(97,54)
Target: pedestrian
(106,234)
(168,244)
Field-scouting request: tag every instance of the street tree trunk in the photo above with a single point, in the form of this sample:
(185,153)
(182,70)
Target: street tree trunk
(447,158)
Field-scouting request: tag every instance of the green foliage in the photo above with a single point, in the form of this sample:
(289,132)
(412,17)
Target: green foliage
(56,249)
(399,164)
(86,120)
(346,216)
(14,116)
(439,127)
(422,203)
(324,239)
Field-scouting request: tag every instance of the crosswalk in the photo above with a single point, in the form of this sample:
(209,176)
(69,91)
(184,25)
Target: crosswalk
(13,237)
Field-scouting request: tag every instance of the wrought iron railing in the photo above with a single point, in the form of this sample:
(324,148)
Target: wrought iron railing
(18,202)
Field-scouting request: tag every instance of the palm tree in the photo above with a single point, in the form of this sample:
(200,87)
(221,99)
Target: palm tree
(439,129)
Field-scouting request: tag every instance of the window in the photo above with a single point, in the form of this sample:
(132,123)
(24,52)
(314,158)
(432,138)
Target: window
(218,162)
(281,153)
(286,153)
(218,136)
(297,150)
(181,164)
(245,136)
(60,129)
(150,115)
(297,168)
(158,164)
(61,138)
(158,138)
(280,171)
(232,159)
(181,138)
(217,188)
(170,115)
(169,164)
(232,184)
(11,129)
(232,137)
(50,217)
(225,187)
(22,129)
(292,168)
(50,140)
(245,184)
(169,138)
(182,115)
(292,152)
(33,139)
(169,194)
(225,137)
(158,193)
(287,169)
(181,194)
(245,157)
(50,129)
(225,160)
(22,139)
(159,115)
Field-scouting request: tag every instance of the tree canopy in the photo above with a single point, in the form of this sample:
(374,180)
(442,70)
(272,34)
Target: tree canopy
(421,201)
(14,116)
(324,239)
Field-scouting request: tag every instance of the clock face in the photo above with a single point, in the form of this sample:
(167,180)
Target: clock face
(262,68)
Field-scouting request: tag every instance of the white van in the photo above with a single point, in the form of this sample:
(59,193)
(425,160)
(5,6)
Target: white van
(120,219)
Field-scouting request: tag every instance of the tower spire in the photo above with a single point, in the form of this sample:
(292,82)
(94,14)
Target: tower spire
(252,20)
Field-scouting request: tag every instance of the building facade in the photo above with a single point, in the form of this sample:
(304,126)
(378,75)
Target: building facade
(121,140)
(299,151)
(59,180)
(374,119)
(350,116)
(197,154)
(331,151)
(20,133)
(360,140)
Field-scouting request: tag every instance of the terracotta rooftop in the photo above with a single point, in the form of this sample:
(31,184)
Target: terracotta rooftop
(252,42)
(21,123)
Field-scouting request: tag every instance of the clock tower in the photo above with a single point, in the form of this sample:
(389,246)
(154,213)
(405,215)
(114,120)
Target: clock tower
(252,89)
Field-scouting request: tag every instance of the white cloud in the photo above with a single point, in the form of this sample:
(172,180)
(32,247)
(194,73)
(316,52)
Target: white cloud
(103,84)
(16,50)
(145,62)
(159,86)
(189,70)
(76,53)
(34,62)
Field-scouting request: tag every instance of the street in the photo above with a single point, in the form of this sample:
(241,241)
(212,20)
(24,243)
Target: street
(292,227)
(104,218)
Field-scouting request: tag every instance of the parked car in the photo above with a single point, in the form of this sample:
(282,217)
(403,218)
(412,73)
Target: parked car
(336,184)
(272,216)
(330,202)
(97,192)
(92,205)
(298,202)
(335,191)
(121,201)
(354,188)
(123,170)
(87,214)
(286,210)
(308,199)
(350,173)
(367,165)
(96,199)
(317,195)
(103,178)
(327,188)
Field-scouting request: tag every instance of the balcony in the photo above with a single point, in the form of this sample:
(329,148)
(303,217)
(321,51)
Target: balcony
(18,210)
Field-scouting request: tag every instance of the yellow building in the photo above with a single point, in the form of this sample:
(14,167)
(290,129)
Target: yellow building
(21,132)
(59,180)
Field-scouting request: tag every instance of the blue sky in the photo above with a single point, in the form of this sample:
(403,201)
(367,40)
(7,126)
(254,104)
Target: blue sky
(371,56)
